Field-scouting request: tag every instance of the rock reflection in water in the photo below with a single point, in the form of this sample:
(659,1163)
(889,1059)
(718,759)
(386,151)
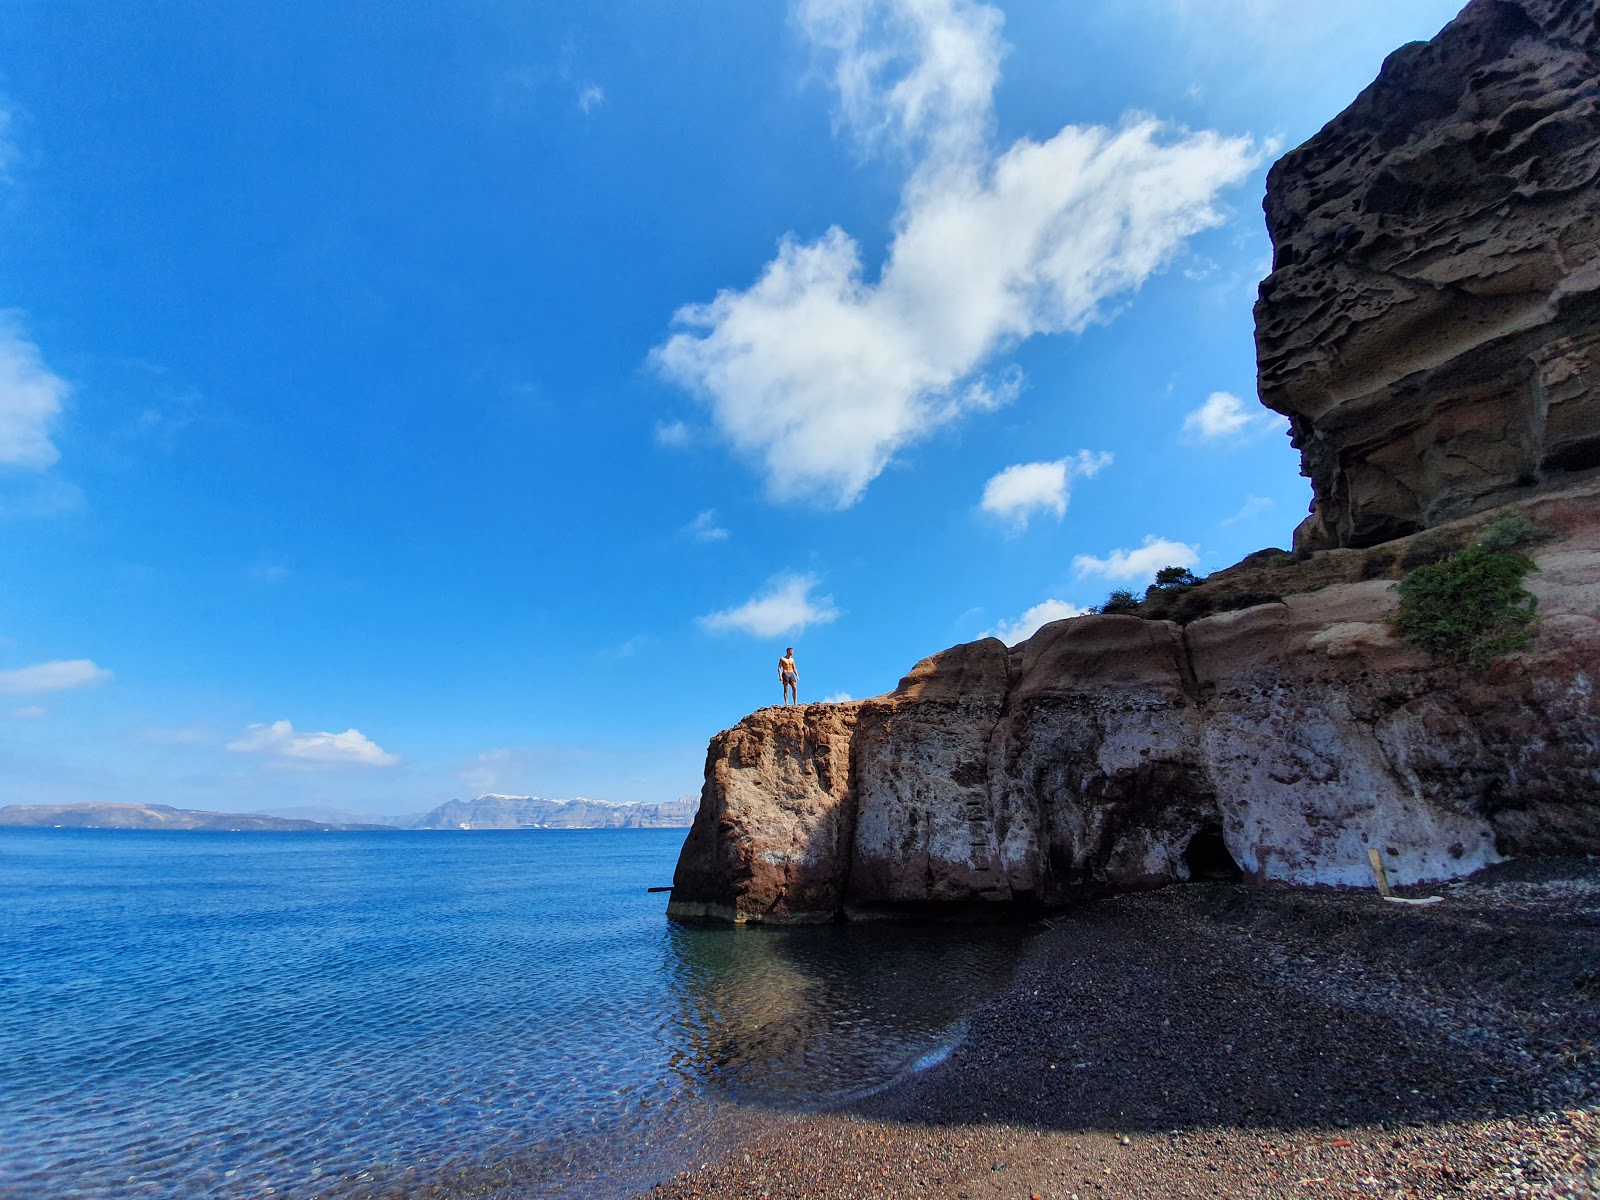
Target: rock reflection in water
(814,1015)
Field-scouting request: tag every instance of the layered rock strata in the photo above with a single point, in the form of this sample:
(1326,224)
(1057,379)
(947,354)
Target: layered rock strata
(1105,753)
(1431,326)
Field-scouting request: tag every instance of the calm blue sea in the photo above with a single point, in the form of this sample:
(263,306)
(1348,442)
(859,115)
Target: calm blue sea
(410,1014)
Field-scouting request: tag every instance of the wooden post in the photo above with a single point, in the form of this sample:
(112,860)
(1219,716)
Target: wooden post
(1378,873)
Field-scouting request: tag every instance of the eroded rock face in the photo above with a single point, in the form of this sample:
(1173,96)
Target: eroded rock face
(1099,754)
(1431,326)
(772,838)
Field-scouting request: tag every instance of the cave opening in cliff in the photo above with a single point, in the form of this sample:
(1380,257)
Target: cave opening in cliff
(1208,859)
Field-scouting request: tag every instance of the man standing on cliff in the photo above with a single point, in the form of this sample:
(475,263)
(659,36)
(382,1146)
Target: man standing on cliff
(789,676)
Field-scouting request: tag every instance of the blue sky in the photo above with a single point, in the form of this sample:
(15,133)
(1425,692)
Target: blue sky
(400,402)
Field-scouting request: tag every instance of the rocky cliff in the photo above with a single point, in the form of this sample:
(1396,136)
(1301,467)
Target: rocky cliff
(1275,742)
(1431,326)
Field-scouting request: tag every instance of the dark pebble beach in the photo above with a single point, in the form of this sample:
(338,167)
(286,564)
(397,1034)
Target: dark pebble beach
(1210,1040)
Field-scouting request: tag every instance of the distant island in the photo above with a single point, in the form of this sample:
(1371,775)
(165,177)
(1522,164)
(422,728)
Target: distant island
(535,812)
(483,812)
(106,815)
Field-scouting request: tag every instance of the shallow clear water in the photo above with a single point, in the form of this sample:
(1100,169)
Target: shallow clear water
(237,1015)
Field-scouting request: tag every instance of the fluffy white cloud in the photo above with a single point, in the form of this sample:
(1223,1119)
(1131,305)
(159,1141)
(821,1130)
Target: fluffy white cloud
(819,372)
(1019,491)
(350,748)
(1224,416)
(591,97)
(55,676)
(31,396)
(704,527)
(838,698)
(786,606)
(1030,622)
(1134,566)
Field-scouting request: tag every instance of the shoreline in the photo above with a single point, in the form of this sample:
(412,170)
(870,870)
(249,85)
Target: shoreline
(1209,1040)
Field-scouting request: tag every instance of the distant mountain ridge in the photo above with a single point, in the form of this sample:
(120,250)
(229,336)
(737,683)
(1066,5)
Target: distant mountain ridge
(490,811)
(494,811)
(108,815)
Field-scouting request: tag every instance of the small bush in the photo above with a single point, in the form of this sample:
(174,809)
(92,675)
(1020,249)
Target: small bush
(1510,531)
(1121,601)
(1174,577)
(1469,609)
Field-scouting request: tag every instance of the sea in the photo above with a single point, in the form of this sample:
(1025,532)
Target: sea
(442,1014)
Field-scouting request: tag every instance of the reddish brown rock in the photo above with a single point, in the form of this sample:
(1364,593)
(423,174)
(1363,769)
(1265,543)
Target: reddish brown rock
(1431,326)
(775,820)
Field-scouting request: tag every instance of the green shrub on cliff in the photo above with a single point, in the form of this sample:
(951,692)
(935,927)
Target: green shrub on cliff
(1471,607)
(1121,601)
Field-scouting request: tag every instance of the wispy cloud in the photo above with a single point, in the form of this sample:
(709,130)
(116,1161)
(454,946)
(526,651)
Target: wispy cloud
(591,97)
(58,676)
(280,741)
(31,397)
(1225,417)
(626,649)
(673,434)
(1253,506)
(820,372)
(37,497)
(1034,619)
(268,572)
(704,527)
(1134,566)
(785,606)
(1020,491)
(8,145)
(28,712)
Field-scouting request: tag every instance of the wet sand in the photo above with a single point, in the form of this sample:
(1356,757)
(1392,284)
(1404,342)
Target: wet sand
(1212,1040)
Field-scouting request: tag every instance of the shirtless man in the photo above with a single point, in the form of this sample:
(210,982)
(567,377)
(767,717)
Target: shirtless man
(788,676)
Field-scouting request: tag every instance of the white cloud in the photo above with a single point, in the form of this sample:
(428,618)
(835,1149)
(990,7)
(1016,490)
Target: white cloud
(350,748)
(673,434)
(838,698)
(704,527)
(1133,566)
(1253,506)
(1019,491)
(31,396)
(591,97)
(1224,416)
(55,676)
(786,606)
(28,712)
(820,372)
(1030,622)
